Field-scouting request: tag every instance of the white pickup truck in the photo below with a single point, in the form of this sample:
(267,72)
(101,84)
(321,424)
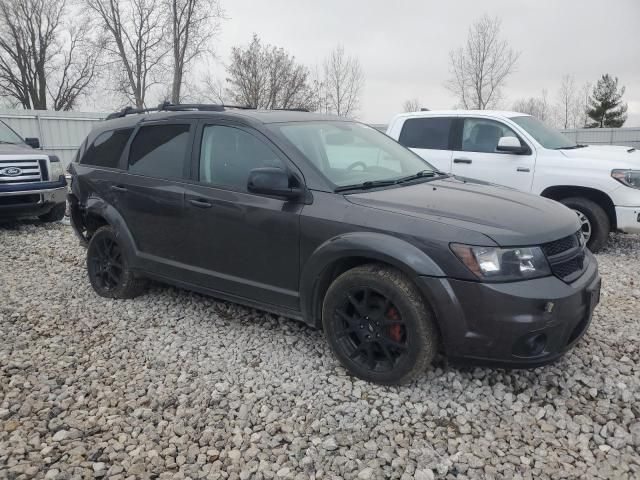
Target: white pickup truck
(601,183)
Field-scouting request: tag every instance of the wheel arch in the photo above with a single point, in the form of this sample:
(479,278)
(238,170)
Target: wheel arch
(559,192)
(95,214)
(347,251)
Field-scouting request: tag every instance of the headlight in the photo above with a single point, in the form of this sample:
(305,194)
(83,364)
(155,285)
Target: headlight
(502,264)
(55,167)
(630,178)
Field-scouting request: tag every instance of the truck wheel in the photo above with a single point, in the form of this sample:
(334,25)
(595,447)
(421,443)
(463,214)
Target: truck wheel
(55,214)
(108,268)
(378,325)
(594,221)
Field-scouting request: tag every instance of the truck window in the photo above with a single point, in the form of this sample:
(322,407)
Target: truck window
(106,149)
(430,133)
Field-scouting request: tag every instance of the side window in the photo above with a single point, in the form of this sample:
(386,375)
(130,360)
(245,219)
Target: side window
(160,151)
(106,149)
(228,154)
(481,135)
(432,133)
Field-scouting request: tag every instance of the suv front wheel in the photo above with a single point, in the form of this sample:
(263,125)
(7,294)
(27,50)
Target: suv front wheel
(108,268)
(378,325)
(594,221)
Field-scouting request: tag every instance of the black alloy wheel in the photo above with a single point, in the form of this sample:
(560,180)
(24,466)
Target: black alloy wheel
(378,324)
(108,269)
(371,330)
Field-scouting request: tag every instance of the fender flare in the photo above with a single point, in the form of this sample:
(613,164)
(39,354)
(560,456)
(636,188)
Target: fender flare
(99,207)
(371,245)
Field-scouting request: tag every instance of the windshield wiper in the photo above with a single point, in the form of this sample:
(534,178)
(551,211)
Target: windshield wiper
(422,174)
(572,147)
(366,185)
(4,142)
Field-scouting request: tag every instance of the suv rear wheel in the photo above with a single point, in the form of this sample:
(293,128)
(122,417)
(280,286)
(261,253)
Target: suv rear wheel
(594,221)
(108,268)
(378,325)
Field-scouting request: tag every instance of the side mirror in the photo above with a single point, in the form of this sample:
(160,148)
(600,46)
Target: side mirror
(33,142)
(510,145)
(272,181)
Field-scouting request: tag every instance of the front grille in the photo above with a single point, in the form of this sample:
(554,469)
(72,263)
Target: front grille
(13,172)
(566,257)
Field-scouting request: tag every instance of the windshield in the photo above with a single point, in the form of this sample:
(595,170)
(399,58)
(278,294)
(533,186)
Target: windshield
(350,153)
(546,136)
(7,135)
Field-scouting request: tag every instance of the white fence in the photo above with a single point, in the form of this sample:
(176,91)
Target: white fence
(605,136)
(60,133)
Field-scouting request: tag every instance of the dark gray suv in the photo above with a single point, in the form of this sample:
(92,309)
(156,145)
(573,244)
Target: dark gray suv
(331,222)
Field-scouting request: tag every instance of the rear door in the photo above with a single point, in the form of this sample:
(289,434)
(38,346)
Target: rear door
(151,194)
(475,154)
(429,137)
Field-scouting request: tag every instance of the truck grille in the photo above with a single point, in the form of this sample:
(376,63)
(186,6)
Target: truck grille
(566,257)
(14,172)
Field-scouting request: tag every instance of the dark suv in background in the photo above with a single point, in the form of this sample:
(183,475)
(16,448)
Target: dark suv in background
(331,222)
(32,182)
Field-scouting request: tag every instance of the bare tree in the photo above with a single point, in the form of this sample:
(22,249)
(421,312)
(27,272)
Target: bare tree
(136,31)
(43,57)
(538,107)
(412,105)
(342,84)
(264,76)
(569,104)
(480,68)
(193,24)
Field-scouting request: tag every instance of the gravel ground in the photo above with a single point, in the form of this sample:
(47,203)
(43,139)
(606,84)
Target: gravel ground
(177,385)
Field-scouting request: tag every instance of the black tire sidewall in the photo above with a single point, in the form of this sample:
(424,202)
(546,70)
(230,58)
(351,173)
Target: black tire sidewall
(55,214)
(413,314)
(127,281)
(600,225)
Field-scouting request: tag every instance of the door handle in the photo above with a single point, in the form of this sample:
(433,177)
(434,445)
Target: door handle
(200,203)
(461,160)
(523,169)
(118,188)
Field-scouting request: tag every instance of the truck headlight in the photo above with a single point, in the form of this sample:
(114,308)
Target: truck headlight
(56,170)
(630,178)
(502,264)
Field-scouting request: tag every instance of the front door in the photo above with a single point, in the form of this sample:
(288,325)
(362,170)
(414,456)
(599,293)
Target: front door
(240,243)
(476,156)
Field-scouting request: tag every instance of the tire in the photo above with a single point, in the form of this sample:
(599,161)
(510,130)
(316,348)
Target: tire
(597,217)
(108,267)
(55,214)
(402,337)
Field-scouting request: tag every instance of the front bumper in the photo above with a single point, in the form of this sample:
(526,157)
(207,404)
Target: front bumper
(33,201)
(516,325)
(628,219)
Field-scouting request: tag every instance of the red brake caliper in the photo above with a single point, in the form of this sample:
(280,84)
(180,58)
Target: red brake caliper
(395,331)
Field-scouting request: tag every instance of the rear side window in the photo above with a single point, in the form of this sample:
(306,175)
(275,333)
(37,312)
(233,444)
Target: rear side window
(106,149)
(160,151)
(432,133)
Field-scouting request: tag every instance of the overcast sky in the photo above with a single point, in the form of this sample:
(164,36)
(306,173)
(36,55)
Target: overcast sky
(404,46)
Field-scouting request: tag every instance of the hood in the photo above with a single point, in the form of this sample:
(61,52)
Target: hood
(17,149)
(610,156)
(508,217)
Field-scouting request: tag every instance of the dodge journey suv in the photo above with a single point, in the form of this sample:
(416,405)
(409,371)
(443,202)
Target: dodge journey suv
(331,222)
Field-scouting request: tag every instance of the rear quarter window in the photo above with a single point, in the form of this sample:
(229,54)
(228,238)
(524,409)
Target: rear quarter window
(429,133)
(106,149)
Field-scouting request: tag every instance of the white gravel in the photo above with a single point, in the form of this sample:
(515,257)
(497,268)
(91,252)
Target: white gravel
(177,385)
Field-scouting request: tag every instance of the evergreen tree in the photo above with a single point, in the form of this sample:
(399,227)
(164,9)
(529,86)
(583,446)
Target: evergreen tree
(606,107)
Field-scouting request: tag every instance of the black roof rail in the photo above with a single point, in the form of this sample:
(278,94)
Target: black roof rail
(180,107)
